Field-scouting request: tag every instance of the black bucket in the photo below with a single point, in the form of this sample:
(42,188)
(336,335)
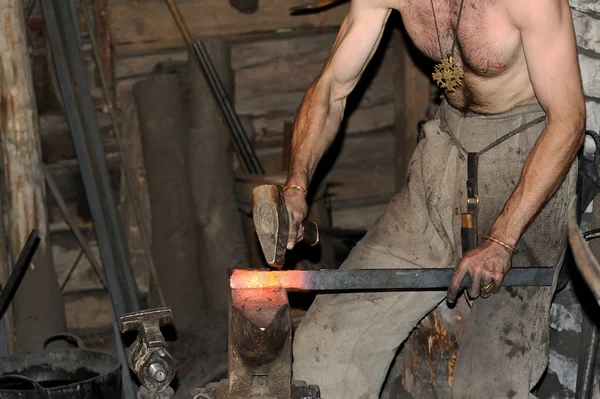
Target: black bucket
(60,373)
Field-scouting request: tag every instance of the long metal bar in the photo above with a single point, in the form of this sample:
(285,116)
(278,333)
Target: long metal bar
(376,279)
(119,304)
(73,226)
(68,23)
(242,147)
(12,285)
(129,180)
(18,271)
(230,115)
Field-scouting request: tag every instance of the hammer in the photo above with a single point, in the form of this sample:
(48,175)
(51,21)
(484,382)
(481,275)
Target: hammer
(271,223)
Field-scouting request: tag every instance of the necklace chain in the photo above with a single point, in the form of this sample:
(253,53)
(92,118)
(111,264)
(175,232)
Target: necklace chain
(455,31)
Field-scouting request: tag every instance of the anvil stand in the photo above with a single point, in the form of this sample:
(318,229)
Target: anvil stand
(260,350)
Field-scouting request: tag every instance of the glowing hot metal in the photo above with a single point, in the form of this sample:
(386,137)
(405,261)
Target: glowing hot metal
(375,279)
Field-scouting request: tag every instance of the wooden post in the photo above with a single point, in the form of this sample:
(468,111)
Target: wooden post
(5,268)
(411,103)
(103,39)
(210,165)
(38,304)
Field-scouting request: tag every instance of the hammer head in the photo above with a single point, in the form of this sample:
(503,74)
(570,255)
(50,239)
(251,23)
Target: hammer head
(271,222)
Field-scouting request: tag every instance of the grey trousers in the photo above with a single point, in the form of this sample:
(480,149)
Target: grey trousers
(346,342)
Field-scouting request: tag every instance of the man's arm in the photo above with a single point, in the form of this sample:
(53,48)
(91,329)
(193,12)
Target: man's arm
(549,45)
(322,108)
(550,50)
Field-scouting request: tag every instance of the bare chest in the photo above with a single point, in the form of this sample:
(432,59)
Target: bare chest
(486,44)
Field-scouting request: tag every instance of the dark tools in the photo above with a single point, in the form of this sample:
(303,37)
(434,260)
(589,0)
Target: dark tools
(260,350)
(18,271)
(271,223)
(375,279)
(149,359)
(241,144)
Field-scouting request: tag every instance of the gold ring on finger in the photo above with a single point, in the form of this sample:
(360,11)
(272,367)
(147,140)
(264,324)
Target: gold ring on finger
(488,288)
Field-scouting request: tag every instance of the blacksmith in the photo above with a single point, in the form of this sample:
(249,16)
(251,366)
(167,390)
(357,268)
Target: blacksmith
(511,123)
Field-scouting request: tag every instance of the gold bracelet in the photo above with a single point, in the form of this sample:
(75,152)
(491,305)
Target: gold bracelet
(497,241)
(296,187)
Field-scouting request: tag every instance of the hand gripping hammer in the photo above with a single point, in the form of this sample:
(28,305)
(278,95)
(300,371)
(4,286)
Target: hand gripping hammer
(271,223)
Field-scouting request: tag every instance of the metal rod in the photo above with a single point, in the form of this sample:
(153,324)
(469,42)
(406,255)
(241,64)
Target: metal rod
(65,211)
(71,35)
(376,279)
(129,180)
(76,262)
(18,271)
(230,115)
(119,299)
(241,145)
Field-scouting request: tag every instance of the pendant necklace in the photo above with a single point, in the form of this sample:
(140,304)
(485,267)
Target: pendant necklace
(447,74)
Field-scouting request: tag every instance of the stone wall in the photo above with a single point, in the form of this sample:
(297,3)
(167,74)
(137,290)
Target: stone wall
(566,312)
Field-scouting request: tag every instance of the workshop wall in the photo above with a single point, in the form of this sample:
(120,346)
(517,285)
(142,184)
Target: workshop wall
(274,57)
(586,17)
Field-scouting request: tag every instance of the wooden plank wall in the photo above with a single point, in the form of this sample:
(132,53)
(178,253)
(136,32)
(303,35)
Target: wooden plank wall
(138,26)
(272,72)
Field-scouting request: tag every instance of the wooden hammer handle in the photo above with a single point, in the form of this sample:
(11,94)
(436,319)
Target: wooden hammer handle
(311,232)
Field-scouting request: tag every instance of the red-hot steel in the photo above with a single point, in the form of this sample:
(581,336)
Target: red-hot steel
(243,279)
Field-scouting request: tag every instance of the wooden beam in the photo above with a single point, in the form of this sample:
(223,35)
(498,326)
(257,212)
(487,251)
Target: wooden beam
(5,269)
(103,40)
(138,26)
(411,103)
(38,304)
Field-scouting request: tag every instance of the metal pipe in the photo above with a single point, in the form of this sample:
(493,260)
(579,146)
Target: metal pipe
(243,148)
(119,302)
(18,271)
(125,158)
(71,35)
(65,211)
(375,279)
(231,117)
(187,37)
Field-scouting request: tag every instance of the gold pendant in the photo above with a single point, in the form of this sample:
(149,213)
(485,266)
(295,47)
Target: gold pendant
(447,75)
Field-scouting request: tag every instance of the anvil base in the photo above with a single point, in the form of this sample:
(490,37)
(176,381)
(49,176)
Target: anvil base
(260,350)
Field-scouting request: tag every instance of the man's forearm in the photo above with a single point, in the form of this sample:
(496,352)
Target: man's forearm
(316,126)
(543,172)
